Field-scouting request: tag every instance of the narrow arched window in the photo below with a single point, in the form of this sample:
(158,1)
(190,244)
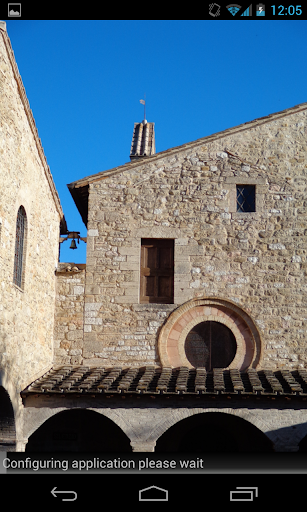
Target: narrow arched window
(20,241)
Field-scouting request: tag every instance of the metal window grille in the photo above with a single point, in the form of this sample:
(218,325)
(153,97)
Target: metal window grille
(211,345)
(19,246)
(246,198)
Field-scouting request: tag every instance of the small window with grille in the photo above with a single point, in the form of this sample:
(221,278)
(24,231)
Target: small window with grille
(21,225)
(246,198)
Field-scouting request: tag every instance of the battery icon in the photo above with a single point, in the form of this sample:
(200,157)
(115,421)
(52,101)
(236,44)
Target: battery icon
(260,10)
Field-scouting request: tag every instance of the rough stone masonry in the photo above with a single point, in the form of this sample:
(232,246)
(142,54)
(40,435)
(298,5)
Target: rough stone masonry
(254,260)
(243,270)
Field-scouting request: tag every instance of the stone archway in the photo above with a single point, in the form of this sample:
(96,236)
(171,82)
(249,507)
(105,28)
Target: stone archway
(213,432)
(173,335)
(7,422)
(78,430)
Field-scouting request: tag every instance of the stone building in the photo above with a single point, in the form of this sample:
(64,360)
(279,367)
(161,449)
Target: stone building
(31,220)
(186,328)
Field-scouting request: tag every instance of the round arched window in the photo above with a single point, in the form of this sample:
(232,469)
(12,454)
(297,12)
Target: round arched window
(210,345)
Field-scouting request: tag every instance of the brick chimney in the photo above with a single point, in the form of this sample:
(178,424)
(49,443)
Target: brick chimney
(143,140)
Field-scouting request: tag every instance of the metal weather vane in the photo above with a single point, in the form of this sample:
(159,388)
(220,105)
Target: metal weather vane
(144,103)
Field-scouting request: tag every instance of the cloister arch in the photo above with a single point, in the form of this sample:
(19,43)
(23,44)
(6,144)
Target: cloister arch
(173,335)
(78,430)
(7,422)
(213,432)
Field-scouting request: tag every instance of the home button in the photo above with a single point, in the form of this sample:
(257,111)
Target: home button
(153,493)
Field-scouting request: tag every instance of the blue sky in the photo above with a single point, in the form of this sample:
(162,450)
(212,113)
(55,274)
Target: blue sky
(84,80)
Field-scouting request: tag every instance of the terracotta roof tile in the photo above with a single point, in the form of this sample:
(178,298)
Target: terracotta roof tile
(174,381)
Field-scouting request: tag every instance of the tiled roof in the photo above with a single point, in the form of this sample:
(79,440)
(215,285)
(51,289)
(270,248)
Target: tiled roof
(151,380)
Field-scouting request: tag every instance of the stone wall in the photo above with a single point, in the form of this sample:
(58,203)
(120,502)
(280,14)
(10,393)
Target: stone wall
(69,314)
(254,260)
(27,312)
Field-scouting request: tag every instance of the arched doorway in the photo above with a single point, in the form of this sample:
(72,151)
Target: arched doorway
(79,430)
(7,422)
(213,432)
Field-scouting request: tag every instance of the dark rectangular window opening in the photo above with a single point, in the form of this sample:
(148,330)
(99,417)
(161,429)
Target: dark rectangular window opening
(157,271)
(20,247)
(246,198)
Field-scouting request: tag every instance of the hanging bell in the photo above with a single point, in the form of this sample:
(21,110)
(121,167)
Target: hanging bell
(73,245)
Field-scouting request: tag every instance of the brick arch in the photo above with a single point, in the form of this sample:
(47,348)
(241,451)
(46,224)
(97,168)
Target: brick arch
(174,332)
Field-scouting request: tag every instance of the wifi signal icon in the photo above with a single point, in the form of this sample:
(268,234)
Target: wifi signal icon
(233,8)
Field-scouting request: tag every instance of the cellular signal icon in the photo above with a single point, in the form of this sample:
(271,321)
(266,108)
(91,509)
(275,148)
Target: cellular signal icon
(233,8)
(248,11)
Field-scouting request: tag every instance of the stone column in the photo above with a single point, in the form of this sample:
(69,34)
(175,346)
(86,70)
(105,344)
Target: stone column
(143,446)
(21,445)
